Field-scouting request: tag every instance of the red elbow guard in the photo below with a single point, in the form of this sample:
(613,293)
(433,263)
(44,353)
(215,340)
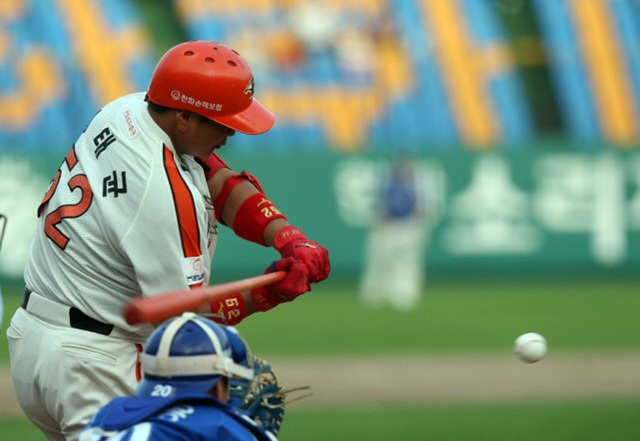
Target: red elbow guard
(253,216)
(229,185)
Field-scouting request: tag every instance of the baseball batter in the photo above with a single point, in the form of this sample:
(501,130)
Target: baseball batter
(133,210)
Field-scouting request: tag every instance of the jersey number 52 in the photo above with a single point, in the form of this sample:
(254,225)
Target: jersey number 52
(53,219)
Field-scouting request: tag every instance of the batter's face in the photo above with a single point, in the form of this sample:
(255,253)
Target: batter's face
(199,136)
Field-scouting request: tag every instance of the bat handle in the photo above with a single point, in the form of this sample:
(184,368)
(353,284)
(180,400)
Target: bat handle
(158,308)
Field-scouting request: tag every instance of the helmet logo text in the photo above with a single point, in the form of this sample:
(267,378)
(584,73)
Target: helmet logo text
(176,95)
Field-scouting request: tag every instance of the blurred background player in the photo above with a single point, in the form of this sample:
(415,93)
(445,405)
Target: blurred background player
(394,260)
(188,363)
(132,212)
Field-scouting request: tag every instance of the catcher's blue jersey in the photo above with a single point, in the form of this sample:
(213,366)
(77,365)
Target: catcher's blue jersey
(183,418)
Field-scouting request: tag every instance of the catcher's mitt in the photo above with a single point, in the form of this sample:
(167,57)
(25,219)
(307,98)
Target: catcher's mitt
(263,398)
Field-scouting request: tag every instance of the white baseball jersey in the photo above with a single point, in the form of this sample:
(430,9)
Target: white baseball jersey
(125,215)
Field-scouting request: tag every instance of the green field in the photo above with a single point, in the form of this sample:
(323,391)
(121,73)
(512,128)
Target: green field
(463,317)
(611,420)
(466,316)
(568,421)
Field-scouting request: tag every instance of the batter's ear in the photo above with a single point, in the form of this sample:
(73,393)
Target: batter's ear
(183,119)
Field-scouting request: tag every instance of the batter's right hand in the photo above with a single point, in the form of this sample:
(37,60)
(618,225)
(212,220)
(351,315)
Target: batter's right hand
(291,242)
(295,284)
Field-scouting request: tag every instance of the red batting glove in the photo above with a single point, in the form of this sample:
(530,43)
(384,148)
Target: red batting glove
(291,242)
(295,284)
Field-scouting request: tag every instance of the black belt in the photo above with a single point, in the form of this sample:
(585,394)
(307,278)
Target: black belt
(77,318)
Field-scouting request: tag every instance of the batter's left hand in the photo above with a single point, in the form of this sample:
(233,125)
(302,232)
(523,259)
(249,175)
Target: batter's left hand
(295,284)
(291,242)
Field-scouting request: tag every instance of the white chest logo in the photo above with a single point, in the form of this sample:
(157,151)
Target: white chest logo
(193,270)
(178,413)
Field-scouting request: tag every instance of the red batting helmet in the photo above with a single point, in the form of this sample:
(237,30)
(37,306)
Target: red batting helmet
(212,80)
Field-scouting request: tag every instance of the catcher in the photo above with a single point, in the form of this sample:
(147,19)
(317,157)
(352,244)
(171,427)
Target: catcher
(188,364)
(134,210)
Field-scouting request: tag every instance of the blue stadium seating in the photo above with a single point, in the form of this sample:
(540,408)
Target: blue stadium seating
(419,116)
(43,75)
(595,66)
(440,73)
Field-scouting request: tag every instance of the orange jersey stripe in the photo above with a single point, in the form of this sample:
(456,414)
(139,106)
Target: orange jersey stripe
(72,158)
(185,207)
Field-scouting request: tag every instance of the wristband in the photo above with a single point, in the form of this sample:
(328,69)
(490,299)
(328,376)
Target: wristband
(286,235)
(263,300)
(253,216)
(231,308)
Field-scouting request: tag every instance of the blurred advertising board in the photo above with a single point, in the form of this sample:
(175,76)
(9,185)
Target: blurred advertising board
(548,211)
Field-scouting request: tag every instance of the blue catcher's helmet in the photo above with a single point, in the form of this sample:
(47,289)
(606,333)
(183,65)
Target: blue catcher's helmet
(239,387)
(240,351)
(188,354)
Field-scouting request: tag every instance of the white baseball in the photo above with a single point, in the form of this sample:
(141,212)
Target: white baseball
(530,347)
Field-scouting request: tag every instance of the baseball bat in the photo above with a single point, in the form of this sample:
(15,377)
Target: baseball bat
(159,308)
(3,224)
